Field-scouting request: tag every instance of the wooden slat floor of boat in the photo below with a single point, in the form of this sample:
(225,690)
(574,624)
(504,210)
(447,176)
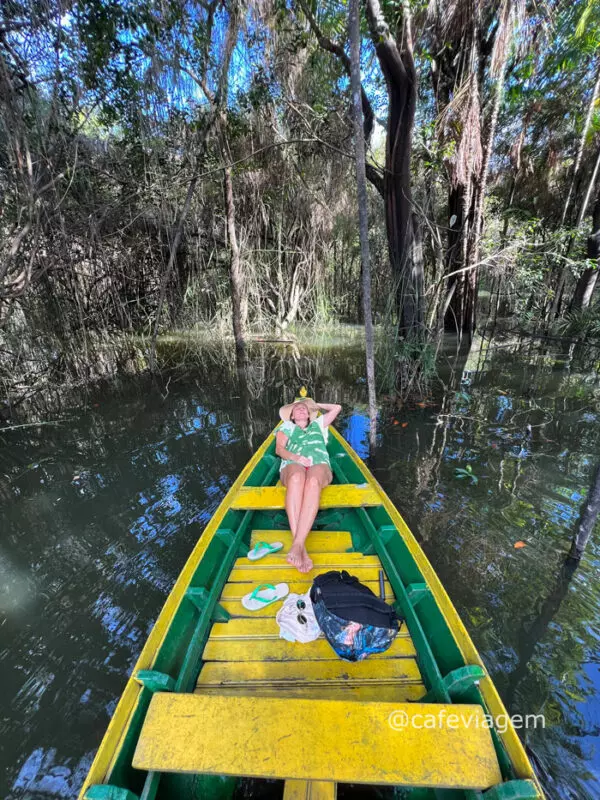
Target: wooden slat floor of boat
(310,790)
(385,693)
(333,671)
(329,560)
(282,650)
(231,598)
(246,655)
(298,582)
(259,628)
(389,679)
(340,495)
(279,571)
(317,542)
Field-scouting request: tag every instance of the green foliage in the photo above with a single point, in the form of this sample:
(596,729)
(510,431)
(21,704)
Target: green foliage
(580,324)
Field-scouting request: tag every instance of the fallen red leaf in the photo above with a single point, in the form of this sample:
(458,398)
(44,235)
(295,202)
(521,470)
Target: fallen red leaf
(519,545)
(404,424)
(395,422)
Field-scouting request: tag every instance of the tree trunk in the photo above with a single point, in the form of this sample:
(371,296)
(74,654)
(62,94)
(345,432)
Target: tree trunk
(363,218)
(588,191)
(584,289)
(398,68)
(330,46)
(360,304)
(581,148)
(397,65)
(235,269)
(587,281)
(562,277)
(460,298)
(588,519)
(167,273)
(474,244)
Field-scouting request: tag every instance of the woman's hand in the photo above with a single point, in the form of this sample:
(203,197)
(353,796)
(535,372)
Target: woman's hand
(331,412)
(304,461)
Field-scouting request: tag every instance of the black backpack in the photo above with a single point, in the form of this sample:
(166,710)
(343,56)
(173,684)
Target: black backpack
(354,620)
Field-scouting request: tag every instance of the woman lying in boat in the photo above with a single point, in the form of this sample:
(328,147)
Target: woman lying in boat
(305,470)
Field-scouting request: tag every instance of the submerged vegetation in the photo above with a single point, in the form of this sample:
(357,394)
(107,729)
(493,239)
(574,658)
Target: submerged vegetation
(189,165)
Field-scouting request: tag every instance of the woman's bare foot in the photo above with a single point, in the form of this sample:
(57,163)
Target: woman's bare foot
(295,556)
(299,558)
(307,562)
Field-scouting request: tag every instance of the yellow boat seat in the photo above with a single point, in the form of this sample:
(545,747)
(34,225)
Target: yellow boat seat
(340,495)
(318,740)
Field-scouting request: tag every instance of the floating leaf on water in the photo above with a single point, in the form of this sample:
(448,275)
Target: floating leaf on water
(404,424)
(461,472)
(396,422)
(518,545)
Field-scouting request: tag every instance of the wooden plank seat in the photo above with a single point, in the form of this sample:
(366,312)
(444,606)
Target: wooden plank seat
(317,740)
(340,495)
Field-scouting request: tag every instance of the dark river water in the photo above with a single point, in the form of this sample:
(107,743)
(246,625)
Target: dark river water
(101,508)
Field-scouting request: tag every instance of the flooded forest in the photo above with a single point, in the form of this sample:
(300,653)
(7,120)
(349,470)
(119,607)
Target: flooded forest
(184,243)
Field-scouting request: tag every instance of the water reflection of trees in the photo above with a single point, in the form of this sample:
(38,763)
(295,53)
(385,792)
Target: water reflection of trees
(102,513)
(529,429)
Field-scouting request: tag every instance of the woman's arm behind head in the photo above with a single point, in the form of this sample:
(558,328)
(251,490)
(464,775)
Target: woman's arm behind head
(331,411)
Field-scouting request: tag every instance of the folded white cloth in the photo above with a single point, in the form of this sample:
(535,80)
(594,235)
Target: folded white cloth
(296,619)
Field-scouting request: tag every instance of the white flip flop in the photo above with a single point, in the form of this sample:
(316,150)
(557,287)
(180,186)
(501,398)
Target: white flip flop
(262,549)
(264,595)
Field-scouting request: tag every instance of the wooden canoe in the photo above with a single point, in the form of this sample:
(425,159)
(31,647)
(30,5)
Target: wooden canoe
(216,695)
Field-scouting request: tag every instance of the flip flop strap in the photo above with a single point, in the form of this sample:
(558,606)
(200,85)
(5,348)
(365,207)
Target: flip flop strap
(269,547)
(254,595)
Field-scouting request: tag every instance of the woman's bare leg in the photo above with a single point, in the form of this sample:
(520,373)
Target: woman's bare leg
(317,478)
(293,478)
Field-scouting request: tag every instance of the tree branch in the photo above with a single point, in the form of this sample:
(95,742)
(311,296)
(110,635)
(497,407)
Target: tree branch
(368,114)
(385,44)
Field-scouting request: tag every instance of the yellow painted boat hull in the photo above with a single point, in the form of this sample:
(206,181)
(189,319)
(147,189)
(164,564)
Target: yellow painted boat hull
(217,695)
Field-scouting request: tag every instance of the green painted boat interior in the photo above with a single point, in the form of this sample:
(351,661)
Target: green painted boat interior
(178,663)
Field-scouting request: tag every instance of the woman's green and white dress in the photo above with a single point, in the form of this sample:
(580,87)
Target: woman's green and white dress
(310,442)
